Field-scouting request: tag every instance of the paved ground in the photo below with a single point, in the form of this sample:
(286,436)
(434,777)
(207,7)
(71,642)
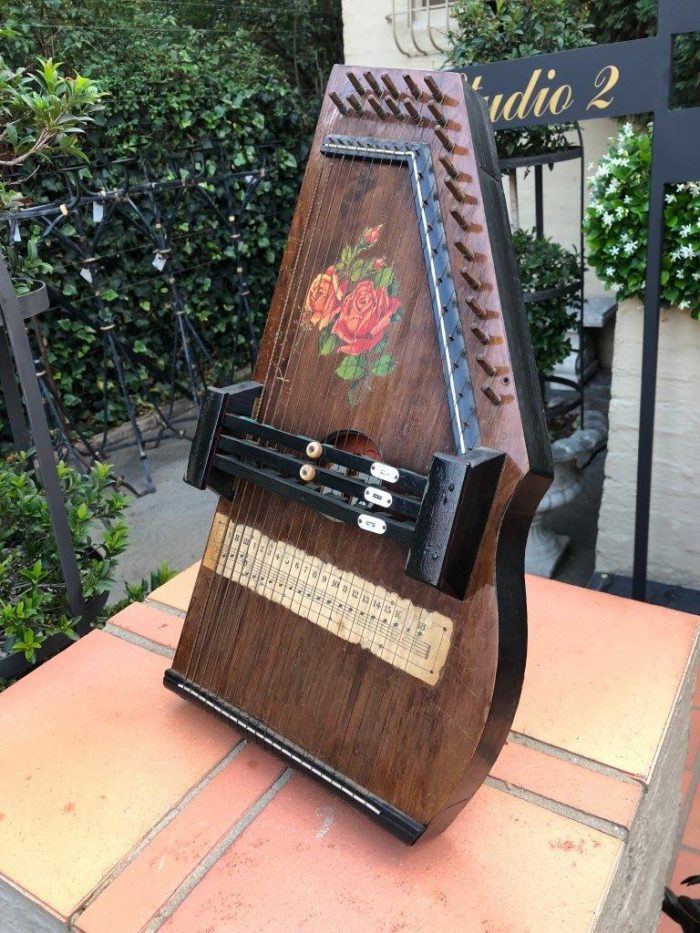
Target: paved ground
(172,523)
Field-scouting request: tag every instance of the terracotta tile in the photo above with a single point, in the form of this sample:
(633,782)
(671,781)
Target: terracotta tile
(150,622)
(177,592)
(579,787)
(693,739)
(94,752)
(691,833)
(145,885)
(602,673)
(685,784)
(696,699)
(308,862)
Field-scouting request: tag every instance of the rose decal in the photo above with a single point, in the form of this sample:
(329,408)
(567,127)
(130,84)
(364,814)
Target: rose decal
(352,304)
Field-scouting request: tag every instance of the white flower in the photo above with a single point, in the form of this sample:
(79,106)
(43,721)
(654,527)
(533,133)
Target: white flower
(627,199)
(680,273)
(687,252)
(626,131)
(696,276)
(685,304)
(620,212)
(630,246)
(670,198)
(686,230)
(608,219)
(609,272)
(614,250)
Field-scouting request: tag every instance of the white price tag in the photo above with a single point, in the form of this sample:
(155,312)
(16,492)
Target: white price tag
(98,211)
(159,261)
(16,233)
(86,274)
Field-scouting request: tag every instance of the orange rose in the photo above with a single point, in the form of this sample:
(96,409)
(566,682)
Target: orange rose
(364,316)
(323,298)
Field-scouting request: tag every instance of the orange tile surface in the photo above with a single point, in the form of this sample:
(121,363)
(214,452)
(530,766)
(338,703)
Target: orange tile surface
(693,738)
(142,889)
(591,654)
(177,592)
(309,862)
(94,752)
(691,836)
(578,787)
(150,622)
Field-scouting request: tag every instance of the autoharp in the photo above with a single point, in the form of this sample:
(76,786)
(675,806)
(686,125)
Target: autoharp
(360,607)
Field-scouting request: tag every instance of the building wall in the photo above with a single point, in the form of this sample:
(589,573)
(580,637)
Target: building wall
(674,551)
(369,40)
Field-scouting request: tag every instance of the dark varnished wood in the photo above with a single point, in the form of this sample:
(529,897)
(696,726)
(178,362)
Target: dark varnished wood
(424,749)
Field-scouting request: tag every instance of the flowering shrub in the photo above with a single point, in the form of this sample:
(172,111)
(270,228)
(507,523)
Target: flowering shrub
(616,225)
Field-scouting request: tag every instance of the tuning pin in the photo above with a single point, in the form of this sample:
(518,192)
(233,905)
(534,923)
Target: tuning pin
(377,107)
(394,107)
(492,396)
(412,86)
(434,88)
(355,104)
(465,250)
(412,112)
(481,335)
(390,86)
(356,83)
(339,104)
(307,472)
(444,139)
(314,449)
(373,83)
(438,114)
(487,367)
(449,167)
(477,308)
(472,279)
(455,190)
(460,219)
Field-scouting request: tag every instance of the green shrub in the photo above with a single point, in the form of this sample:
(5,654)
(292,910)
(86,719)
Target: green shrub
(545,264)
(174,84)
(617,219)
(33,599)
(621,21)
(498,30)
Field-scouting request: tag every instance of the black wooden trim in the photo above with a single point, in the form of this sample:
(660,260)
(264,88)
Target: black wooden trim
(395,821)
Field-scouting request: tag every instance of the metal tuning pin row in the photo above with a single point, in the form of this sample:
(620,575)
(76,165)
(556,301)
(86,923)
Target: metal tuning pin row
(384,92)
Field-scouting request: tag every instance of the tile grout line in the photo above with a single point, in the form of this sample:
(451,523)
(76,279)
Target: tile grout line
(599,823)
(215,853)
(139,640)
(164,607)
(155,830)
(590,764)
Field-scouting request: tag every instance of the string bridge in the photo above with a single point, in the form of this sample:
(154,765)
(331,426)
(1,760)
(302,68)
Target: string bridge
(440,517)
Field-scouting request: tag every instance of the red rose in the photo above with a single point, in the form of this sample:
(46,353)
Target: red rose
(379,263)
(323,299)
(371,235)
(364,316)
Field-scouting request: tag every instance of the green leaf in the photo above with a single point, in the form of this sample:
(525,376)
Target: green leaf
(384,278)
(351,368)
(384,365)
(327,343)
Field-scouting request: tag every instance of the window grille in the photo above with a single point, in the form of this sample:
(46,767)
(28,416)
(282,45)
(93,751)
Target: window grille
(421,27)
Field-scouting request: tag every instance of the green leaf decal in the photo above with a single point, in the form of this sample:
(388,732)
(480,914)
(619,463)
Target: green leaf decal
(351,368)
(384,278)
(327,343)
(384,365)
(393,287)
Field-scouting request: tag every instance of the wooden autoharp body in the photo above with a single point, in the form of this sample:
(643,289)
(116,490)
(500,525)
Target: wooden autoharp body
(360,608)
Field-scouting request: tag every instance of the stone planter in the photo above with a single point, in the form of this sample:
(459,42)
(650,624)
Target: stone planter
(674,535)
(570,454)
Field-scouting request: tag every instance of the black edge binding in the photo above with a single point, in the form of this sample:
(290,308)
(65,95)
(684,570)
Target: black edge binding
(395,821)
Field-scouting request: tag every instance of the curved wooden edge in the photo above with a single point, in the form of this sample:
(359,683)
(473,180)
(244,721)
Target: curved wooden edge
(512,645)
